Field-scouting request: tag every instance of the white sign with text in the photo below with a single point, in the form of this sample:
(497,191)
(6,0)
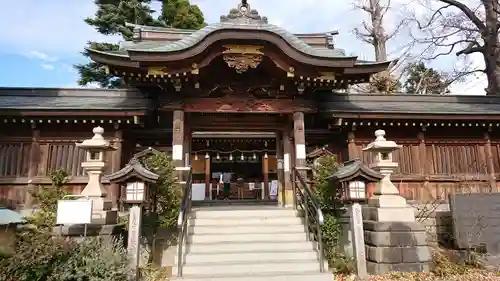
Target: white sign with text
(74,211)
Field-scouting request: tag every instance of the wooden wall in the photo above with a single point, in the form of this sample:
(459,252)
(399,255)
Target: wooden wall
(438,161)
(28,155)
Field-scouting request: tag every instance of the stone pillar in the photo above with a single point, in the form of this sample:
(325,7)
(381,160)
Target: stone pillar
(178,138)
(299,139)
(394,241)
(287,165)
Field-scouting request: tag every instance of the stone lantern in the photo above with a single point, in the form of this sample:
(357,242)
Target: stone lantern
(393,240)
(353,178)
(94,165)
(136,179)
(388,204)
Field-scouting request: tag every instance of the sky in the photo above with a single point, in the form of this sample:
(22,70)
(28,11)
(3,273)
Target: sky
(40,41)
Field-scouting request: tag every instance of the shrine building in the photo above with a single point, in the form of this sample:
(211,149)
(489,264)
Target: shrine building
(250,99)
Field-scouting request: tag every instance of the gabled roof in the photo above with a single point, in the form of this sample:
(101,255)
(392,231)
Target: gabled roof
(318,152)
(169,34)
(133,169)
(241,23)
(199,35)
(355,169)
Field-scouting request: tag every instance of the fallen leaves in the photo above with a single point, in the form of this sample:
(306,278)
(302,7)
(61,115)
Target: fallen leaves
(473,275)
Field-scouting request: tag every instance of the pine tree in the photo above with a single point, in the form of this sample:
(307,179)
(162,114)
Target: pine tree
(181,14)
(110,19)
(424,80)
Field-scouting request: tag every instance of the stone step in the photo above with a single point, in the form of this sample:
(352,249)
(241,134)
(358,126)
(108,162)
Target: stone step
(252,257)
(222,213)
(234,238)
(238,229)
(304,276)
(248,269)
(256,221)
(234,203)
(247,247)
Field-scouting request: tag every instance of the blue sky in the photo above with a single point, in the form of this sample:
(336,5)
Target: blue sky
(40,41)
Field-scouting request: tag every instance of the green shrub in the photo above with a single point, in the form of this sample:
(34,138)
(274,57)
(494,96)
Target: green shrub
(40,257)
(35,257)
(47,197)
(328,196)
(94,259)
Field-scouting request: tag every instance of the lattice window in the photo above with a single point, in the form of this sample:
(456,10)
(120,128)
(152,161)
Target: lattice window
(14,159)
(456,159)
(65,156)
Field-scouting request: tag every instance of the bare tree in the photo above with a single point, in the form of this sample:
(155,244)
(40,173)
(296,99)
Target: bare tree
(464,27)
(374,32)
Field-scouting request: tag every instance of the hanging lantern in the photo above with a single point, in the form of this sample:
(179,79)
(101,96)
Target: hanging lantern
(207,155)
(254,156)
(242,157)
(231,157)
(196,156)
(265,155)
(218,156)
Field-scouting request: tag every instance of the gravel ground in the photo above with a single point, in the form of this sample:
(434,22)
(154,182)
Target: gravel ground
(479,275)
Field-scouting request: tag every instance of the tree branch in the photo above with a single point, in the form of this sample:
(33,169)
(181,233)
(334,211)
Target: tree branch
(467,11)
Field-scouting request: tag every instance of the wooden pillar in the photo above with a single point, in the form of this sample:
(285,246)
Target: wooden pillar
(287,158)
(299,139)
(265,170)
(424,168)
(187,144)
(489,163)
(280,168)
(208,176)
(116,162)
(33,167)
(352,149)
(178,138)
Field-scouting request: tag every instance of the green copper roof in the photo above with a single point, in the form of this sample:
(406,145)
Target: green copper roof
(196,37)
(241,19)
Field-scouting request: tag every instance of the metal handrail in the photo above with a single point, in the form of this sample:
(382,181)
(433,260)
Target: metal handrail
(182,221)
(311,208)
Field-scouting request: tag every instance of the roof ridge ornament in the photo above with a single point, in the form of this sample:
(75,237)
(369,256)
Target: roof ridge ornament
(244,14)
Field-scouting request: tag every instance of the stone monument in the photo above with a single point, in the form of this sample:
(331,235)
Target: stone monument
(394,241)
(94,164)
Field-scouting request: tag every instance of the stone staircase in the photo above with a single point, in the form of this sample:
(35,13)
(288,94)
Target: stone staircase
(247,243)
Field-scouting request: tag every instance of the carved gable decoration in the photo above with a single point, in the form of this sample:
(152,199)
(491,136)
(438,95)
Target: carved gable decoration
(247,104)
(242,58)
(244,14)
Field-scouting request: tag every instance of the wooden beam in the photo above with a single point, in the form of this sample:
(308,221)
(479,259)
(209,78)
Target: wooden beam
(88,114)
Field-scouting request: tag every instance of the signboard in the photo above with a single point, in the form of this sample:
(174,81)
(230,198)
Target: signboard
(74,212)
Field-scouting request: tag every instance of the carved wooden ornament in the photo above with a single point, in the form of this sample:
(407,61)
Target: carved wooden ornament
(242,58)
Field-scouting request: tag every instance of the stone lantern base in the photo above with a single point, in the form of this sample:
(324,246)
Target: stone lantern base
(396,246)
(102,212)
(77,232)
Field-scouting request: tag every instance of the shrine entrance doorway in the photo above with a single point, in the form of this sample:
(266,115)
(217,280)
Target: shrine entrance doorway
(235,156)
